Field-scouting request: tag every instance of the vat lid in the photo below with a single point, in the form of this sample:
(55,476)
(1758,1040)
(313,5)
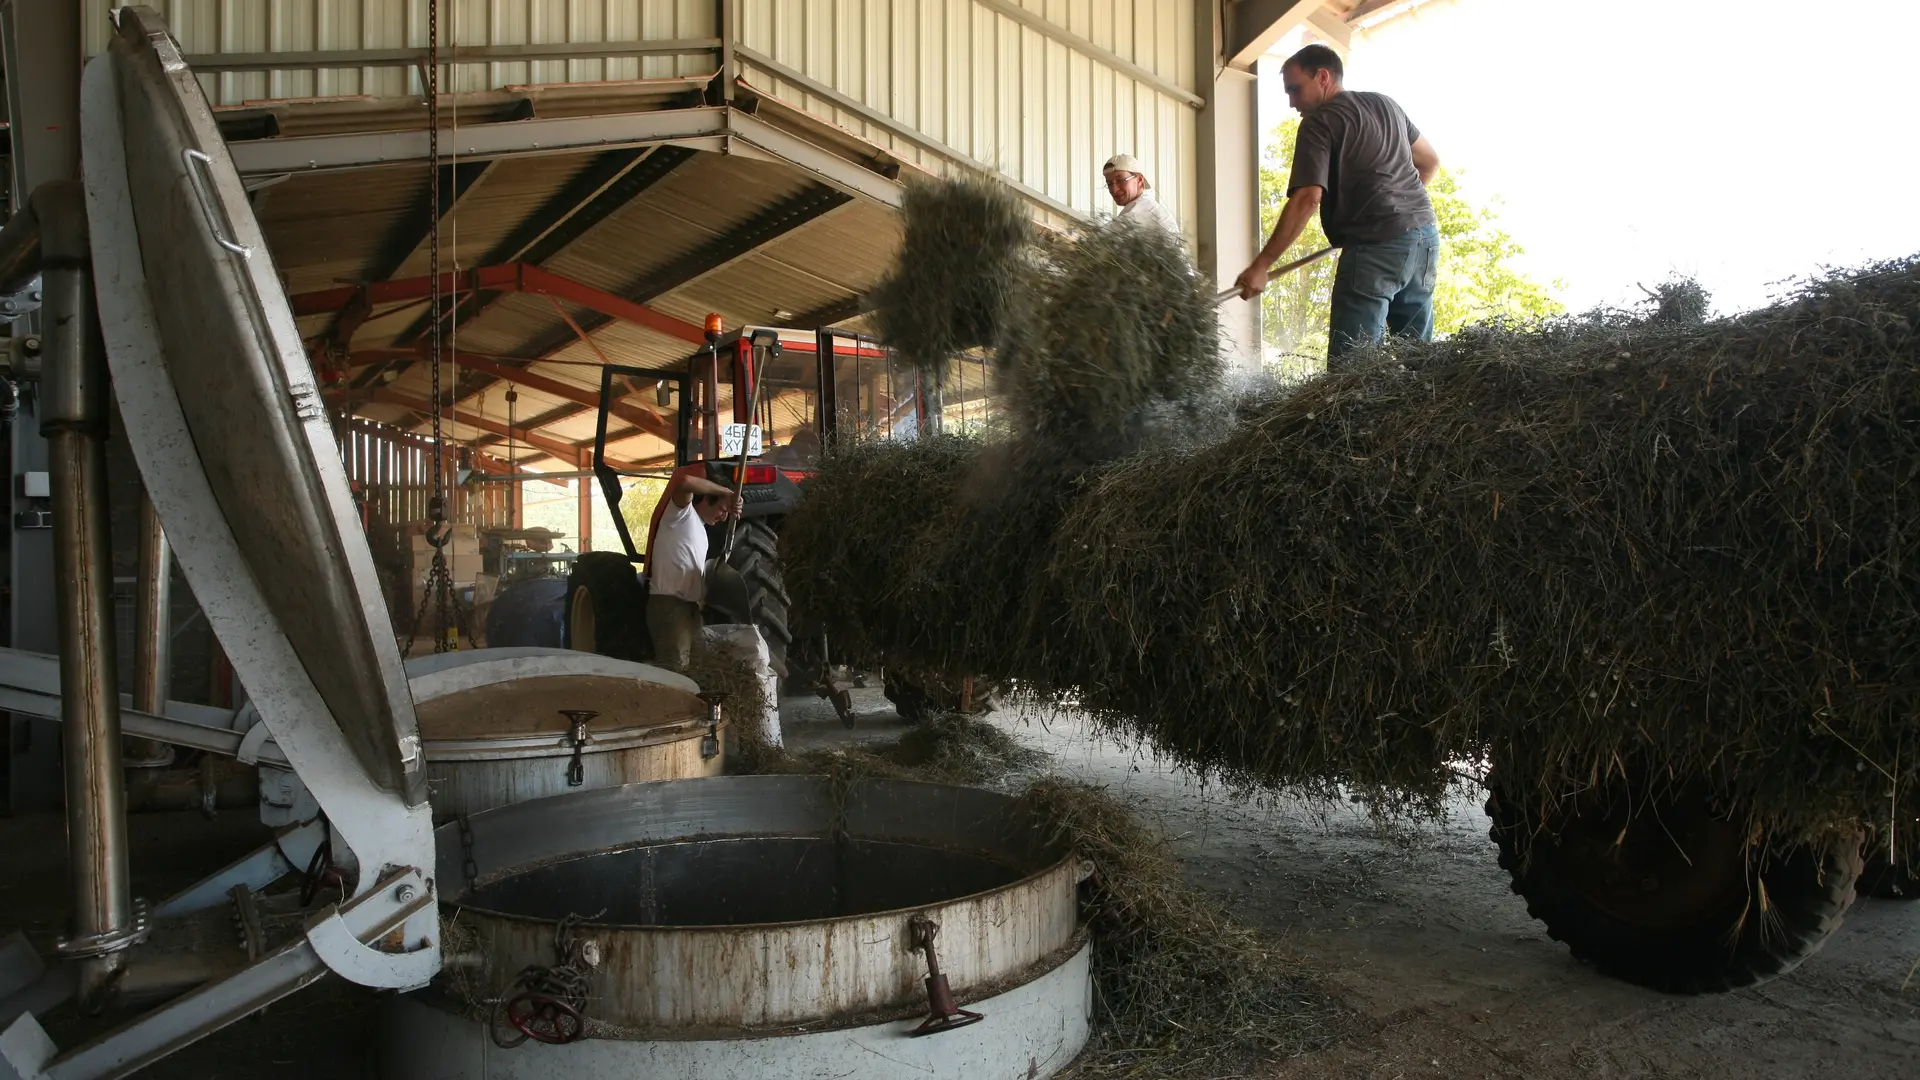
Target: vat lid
(495,703)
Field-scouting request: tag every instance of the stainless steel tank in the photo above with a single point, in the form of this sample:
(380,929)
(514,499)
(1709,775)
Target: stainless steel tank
(495,726)
(768,926)
(494,729)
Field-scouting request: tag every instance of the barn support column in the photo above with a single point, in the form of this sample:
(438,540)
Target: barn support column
(1228,153)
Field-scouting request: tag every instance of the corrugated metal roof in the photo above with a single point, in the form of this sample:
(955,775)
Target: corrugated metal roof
(962,72)
(681,215)
(323,232)
(494,206)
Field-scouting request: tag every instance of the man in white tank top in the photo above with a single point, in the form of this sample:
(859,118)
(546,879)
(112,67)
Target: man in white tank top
(677,564)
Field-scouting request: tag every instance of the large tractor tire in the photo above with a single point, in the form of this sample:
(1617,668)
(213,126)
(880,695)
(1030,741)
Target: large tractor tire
(756,556)
(1883,879)
(606,608)
(1672,895)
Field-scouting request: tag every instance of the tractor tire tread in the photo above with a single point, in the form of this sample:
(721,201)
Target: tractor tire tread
(755,557)
(1811,892)
(619,610)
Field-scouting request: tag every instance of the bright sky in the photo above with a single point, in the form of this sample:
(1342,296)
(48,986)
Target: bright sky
(1739,142)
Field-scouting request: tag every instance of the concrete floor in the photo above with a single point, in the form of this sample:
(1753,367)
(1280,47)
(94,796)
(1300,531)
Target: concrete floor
(1413,926)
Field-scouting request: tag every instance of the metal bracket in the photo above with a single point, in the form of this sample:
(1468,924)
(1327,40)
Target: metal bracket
(342,936)
(253,743)
(22,357)
(23,303)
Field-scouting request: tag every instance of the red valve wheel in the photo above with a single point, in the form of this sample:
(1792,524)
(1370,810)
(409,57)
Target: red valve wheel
(545,1019)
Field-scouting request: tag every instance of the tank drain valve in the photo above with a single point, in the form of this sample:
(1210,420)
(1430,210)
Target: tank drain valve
(942,1013)
(710,742)
(577,734)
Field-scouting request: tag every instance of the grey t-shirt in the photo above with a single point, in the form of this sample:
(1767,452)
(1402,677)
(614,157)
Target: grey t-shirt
(1358,148)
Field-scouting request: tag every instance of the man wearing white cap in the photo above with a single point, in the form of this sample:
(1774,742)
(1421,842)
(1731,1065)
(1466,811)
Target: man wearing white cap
(1131,190)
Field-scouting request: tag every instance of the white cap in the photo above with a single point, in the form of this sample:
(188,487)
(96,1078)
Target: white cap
(1126,163)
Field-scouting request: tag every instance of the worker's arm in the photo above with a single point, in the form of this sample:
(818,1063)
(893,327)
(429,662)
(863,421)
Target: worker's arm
(1426,160)
(1294,216)
(686,487)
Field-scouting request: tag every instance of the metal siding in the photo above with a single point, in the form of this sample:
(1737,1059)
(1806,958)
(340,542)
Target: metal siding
(995,90)
(243,26)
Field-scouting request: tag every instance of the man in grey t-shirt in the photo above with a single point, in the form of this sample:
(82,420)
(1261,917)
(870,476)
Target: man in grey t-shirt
(1365,167)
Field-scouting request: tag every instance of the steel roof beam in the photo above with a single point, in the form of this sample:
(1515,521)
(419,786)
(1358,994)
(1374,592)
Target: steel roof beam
(706,127)
(403,239)
(552,135)
(640,417)
(513,277)
(311,59)
(1254,25)
(830,314)
(735,244)
(563,450)
(604,186)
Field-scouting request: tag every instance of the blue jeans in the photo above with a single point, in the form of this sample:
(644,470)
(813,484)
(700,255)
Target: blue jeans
(1388,285)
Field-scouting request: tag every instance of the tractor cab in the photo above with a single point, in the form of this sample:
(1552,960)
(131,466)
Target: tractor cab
(783,393)
(751,410)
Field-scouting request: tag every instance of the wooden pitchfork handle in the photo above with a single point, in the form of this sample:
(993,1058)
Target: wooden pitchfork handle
(1279,271)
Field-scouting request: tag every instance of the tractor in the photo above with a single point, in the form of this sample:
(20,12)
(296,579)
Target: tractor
(751,410)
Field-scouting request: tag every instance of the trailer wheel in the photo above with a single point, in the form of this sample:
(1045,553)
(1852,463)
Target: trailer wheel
(606,610)
(1671,894)
(1885,880)
(916,701)
(910,699)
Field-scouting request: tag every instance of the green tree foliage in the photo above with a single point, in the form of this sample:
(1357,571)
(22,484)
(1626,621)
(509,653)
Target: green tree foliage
(1477,279)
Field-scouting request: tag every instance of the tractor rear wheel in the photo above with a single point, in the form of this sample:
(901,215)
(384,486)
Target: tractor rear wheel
(756,555)
(1671,894)
(606,612)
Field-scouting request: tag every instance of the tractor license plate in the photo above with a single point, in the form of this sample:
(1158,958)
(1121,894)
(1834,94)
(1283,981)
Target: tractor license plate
(730,436)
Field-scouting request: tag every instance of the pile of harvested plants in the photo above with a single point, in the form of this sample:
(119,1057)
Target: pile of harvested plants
(1655,546)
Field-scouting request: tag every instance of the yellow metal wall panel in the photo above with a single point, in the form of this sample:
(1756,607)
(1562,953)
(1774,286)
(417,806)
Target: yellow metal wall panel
(994,89)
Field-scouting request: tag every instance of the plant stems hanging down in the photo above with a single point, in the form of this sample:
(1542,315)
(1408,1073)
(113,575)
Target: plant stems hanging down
(1649,545)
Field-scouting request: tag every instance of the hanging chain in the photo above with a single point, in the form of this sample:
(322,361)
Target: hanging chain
(513,421)
(439,580)
(551,1002)
(468,867)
